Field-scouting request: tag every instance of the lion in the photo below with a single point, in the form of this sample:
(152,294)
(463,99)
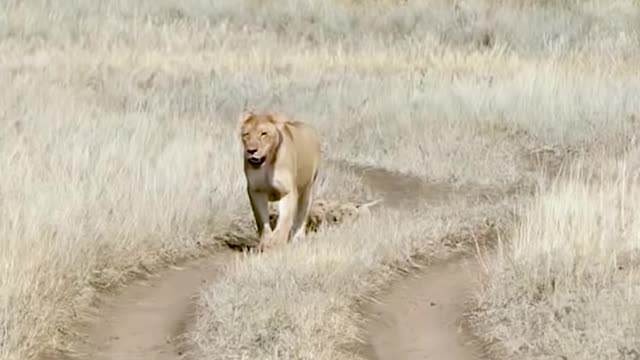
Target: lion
(281,163)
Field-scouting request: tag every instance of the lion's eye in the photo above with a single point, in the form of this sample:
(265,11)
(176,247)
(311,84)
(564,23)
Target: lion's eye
(263,134)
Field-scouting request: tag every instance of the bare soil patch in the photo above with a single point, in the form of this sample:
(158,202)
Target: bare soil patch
(146,319)
(421,317)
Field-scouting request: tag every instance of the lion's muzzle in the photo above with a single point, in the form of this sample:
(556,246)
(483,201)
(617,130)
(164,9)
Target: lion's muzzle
(256,161)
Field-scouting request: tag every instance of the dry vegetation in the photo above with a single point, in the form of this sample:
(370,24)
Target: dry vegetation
(567,286)
(116,122)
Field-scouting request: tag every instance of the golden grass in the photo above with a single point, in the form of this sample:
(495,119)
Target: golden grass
(117,152)
(300,303)
(567,285)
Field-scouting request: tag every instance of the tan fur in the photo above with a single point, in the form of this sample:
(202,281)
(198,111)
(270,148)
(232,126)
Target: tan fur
(286,156)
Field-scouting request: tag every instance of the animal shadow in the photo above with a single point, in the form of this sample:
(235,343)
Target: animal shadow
(243,235)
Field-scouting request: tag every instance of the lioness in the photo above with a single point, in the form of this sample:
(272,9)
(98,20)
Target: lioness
(281,162)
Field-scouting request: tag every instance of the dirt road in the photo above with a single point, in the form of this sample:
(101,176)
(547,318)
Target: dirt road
(420,317)
(417,320)
(145,320)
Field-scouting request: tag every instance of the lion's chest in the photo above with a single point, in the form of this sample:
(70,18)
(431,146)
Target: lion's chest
(262,180)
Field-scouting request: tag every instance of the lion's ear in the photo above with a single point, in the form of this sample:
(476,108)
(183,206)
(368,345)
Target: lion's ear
(279,120)
(244,116)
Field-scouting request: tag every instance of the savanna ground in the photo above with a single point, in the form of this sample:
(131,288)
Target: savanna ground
(118,158)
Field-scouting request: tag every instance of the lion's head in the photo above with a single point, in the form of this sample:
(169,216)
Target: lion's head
(261,137)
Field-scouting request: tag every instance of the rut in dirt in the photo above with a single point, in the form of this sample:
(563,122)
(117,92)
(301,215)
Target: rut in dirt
(146,319)
(422,316)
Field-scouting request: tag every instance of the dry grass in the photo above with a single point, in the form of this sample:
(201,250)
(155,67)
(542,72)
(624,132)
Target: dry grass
(116,121)
(567,285)
(461,114)
(299,303)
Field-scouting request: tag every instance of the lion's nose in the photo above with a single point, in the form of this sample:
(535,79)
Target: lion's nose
(252,151)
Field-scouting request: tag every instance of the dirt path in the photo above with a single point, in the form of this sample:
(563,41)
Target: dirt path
(416,321)
(144,321)
(421,317)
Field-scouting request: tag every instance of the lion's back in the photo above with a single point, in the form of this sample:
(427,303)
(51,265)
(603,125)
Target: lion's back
(306,140)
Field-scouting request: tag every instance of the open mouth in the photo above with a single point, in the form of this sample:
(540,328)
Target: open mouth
(256,161)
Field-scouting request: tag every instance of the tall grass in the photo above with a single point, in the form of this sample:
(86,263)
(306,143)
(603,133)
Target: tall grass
(567,285)
(89,197)
(116,121)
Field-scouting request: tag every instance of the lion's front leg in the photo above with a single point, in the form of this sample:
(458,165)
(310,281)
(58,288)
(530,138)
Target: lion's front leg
(260,207)
(287,211)
(298,232)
